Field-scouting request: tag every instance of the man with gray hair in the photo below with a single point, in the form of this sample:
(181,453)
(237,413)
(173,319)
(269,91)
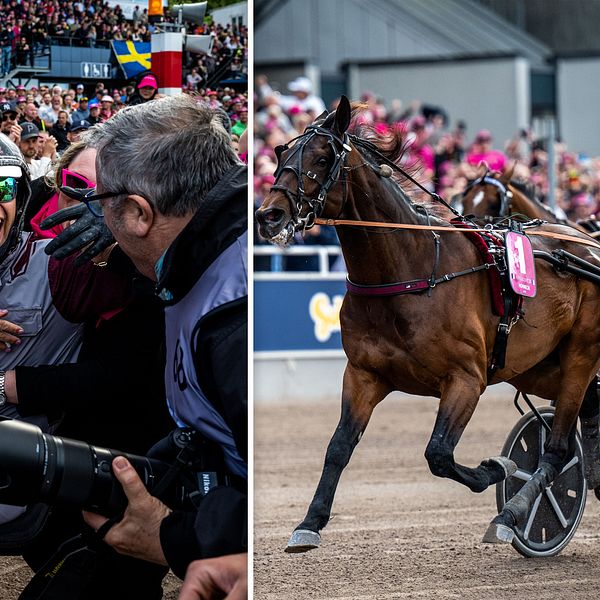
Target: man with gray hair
(174,195)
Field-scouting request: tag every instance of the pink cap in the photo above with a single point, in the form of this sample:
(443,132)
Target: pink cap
(148,81)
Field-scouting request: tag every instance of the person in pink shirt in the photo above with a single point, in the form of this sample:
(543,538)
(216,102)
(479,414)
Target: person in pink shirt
(419,153)
(481,151)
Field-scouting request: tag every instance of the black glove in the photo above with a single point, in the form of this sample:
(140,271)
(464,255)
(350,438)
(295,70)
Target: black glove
(88,229)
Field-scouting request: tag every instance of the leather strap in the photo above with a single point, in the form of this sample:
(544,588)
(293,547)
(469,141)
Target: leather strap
(548,234)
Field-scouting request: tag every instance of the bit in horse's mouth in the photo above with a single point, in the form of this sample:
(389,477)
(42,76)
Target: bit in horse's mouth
(284,237)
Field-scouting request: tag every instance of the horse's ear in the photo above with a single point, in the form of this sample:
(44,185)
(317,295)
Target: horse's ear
(507,175)
(343,114)
(483,168)
(321,118)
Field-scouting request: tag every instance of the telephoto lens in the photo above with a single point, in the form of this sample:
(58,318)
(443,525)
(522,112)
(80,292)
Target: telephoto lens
(38,467)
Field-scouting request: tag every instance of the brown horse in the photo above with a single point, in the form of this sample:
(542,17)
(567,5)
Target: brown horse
(437,342)
(494,196)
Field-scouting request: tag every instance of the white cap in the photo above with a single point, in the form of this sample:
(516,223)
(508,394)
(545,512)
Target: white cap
(300,84)
(10,171)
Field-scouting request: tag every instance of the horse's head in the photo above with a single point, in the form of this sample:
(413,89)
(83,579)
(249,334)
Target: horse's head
(307,171)
(488,196)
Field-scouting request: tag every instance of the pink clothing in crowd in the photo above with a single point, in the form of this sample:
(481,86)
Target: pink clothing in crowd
(494,159)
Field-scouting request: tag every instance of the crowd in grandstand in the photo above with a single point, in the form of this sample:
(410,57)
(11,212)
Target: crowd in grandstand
(446,158)
(29,28)
(54,117)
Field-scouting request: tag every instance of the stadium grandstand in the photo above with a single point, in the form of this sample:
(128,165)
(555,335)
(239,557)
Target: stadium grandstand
(96,49)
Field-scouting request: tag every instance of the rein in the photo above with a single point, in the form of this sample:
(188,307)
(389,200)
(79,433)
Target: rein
(341,148)
(548,234)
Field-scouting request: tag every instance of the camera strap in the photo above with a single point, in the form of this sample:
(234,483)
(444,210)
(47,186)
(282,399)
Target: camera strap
(65,574)
(184,459)
(105,527)
(196,456)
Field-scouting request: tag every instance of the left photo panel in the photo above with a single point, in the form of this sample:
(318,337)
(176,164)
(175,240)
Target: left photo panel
(123,300)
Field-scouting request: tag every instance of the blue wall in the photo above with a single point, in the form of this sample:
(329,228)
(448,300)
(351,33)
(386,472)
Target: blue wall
(297,314)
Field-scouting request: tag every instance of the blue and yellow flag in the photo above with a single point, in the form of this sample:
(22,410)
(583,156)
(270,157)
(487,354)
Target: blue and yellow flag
(134,57)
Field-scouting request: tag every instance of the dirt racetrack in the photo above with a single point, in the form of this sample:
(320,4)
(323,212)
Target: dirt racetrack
(397,531)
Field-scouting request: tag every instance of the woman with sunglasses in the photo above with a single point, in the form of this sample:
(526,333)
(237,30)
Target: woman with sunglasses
(75,169)
(113,396)
(48,301)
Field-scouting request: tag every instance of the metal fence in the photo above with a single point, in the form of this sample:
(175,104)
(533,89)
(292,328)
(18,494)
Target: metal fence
(329,260)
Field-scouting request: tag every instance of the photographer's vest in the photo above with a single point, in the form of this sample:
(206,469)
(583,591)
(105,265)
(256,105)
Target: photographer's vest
(47,338)
(225,280)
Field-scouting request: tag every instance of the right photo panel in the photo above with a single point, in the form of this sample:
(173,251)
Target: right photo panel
(426,292)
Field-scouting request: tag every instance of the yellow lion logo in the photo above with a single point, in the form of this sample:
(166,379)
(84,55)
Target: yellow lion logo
(325,314)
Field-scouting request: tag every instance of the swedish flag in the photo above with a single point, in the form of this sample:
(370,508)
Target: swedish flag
(134,57)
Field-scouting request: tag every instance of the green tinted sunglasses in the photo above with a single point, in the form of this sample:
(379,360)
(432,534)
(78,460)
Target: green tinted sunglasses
(8,189)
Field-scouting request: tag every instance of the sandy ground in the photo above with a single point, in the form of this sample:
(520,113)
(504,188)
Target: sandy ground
(397,531)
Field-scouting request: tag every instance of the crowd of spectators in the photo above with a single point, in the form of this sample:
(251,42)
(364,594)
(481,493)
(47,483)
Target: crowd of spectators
(445,157)
(28,28)
(44,121)
(228,57)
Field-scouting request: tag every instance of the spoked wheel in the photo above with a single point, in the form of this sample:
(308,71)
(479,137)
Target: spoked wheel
(557,511)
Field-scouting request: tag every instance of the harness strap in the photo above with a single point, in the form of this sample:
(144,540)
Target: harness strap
(548,234)
(512,313)
(407,287)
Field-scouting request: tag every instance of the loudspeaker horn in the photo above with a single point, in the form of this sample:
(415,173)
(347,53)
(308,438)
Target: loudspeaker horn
(190,12)
(198,44)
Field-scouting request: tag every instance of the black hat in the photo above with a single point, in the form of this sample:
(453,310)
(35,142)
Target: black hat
(7,107)
(80,125)
(29,130)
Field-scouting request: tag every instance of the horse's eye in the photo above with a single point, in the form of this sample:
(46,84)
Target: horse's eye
(322,162)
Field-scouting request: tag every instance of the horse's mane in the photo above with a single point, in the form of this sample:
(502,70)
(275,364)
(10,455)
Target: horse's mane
(526,191)
(393,145)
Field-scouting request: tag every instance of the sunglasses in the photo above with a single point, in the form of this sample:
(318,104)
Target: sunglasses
(9,117)
(75,180)
(87,196)
(8,189)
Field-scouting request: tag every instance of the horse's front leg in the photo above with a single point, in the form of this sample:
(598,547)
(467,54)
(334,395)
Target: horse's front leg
(362,391)
(459,397)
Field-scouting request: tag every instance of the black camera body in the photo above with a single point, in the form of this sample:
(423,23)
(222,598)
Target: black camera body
(39,467)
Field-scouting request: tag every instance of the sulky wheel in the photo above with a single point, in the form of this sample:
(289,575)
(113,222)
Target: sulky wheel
(556,513)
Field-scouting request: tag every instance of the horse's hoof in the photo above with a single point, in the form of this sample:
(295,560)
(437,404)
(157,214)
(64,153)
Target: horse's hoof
(303,540)
(498,534)
(508,466)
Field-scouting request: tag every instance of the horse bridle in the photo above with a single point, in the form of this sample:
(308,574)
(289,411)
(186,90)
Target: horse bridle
(340,147)
(504,193)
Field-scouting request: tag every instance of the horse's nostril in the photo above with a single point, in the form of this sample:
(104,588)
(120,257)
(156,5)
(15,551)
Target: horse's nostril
(273,215)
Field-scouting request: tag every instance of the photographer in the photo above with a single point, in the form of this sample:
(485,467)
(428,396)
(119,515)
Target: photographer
(180,213)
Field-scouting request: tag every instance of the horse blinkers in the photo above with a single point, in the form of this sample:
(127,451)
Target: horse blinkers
(504,194)
(299,200)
